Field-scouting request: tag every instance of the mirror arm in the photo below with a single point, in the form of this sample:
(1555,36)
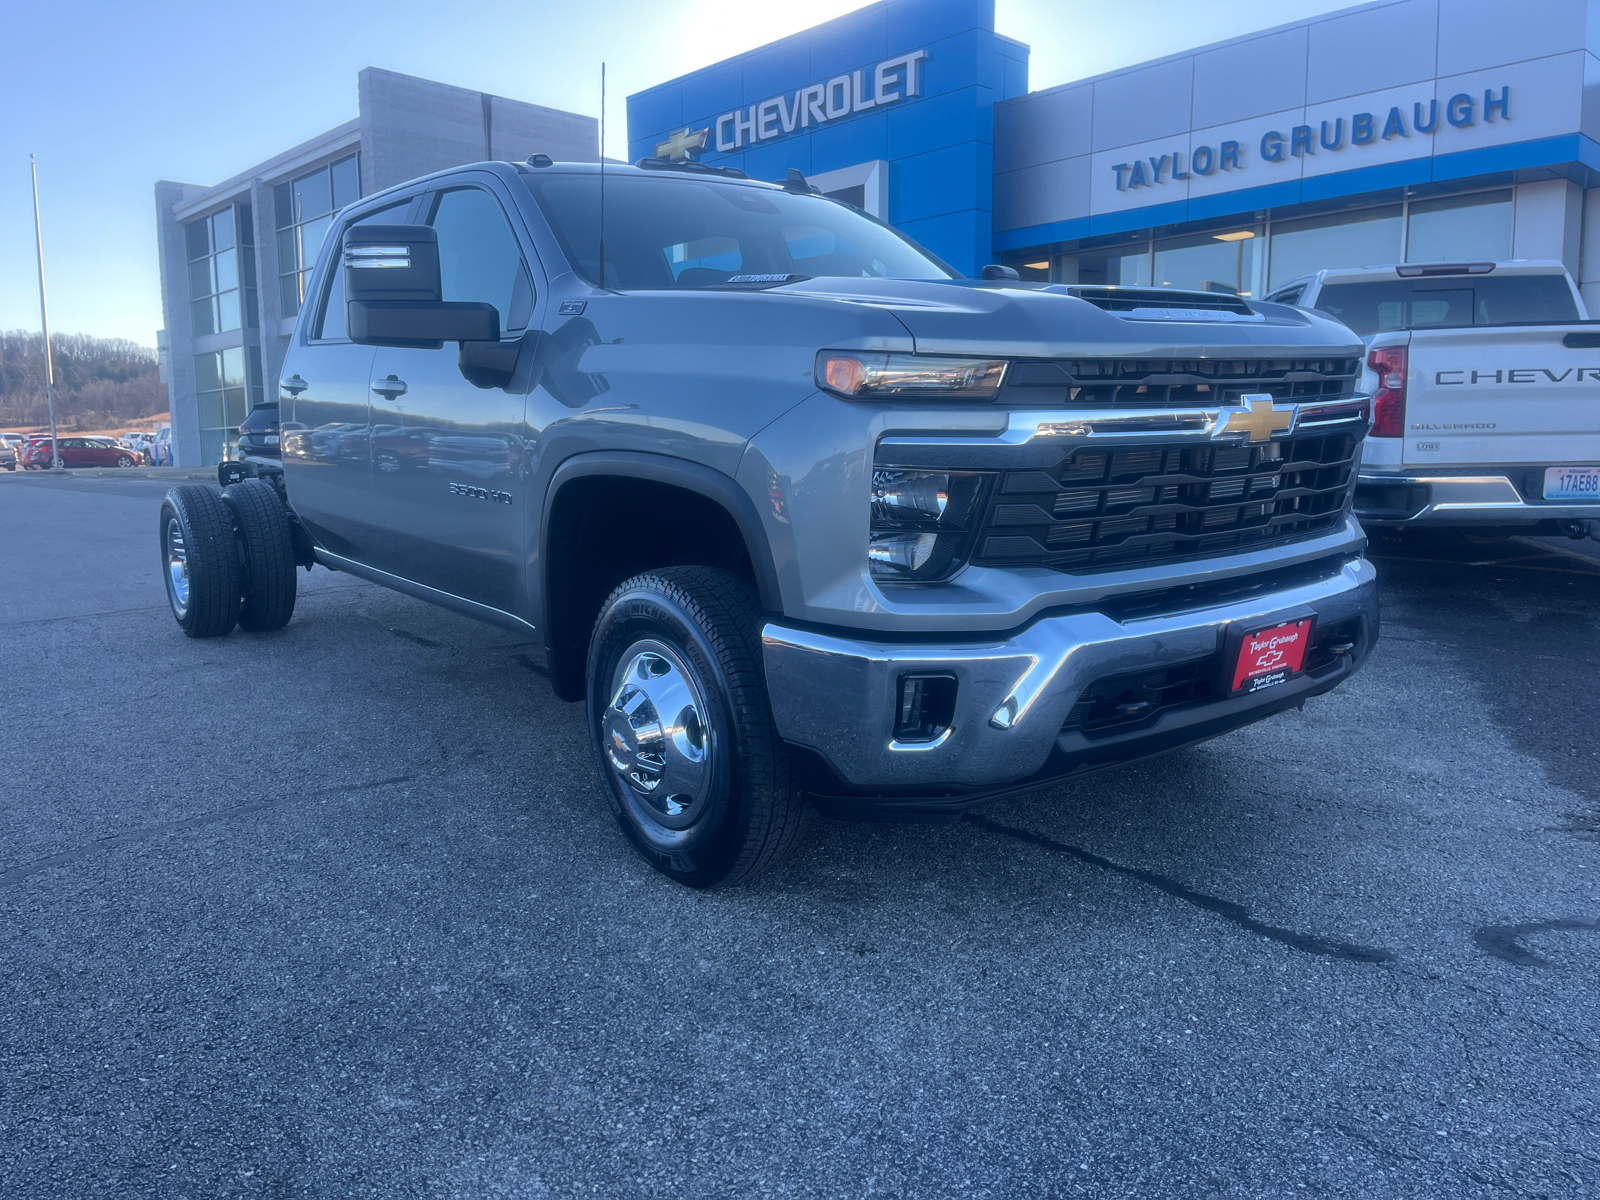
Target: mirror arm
(492,364)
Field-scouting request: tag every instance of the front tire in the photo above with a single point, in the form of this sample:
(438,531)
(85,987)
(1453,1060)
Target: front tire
(199,560)
(124,460)
(682,732)
(266,552)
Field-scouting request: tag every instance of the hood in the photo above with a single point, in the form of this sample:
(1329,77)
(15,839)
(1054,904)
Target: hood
(1022,320)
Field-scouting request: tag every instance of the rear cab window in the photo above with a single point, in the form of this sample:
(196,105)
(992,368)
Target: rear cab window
(1451,302)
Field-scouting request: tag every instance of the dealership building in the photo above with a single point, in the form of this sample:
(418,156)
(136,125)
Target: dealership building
(1402,130)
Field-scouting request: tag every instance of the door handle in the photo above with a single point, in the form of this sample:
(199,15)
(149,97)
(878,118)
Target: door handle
(294,385)
(389,387)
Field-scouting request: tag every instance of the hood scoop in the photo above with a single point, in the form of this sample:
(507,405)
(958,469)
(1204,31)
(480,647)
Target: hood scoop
(1163,304)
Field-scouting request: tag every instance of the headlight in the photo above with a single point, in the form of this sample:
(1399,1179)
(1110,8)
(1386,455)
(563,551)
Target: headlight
(857,376)
(922,522)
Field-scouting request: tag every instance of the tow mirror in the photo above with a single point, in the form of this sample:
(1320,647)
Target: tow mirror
(391,289)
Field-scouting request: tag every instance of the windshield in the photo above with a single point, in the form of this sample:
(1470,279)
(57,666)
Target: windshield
(672,232)
(1451,301)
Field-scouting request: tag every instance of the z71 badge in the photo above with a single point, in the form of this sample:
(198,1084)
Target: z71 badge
(478,493)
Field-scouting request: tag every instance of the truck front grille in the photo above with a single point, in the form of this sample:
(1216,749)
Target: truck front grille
(1117,507)
(1172,383)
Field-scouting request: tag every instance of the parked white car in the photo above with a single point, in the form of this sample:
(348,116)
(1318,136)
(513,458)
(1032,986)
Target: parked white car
(1485,380)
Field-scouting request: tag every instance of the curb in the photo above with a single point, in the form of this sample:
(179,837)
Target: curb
(115,473)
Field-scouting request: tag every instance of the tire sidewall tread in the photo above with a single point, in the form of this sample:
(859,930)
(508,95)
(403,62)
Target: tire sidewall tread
(266,550)
(713,619)
(213,558)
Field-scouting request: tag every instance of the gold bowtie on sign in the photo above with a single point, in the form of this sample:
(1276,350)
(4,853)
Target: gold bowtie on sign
(1259,422)
(678,146)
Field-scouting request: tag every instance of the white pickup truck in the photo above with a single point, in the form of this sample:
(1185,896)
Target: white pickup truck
(1485,380)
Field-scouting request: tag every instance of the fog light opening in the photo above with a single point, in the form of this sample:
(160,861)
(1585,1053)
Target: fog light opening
(925,707)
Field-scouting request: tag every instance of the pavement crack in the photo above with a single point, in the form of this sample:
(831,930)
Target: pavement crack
(1502,941)
(417,638)
(68,857)
(1305,942)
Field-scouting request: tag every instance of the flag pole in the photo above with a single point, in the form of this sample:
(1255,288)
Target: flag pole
(44,320)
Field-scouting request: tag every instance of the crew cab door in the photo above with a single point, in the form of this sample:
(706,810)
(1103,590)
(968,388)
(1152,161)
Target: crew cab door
(325,407)
(1515,394)
(448,480)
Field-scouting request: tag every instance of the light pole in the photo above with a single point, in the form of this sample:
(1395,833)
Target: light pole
(44,320)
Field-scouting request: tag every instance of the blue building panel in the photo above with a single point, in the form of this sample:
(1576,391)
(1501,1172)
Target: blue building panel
(1541,152)
(854,40)
(937,19)
(845,143)
(773,160)
(1150,215)
(714,90)
(1227,204)
(659,110)
(775,69)
(939,142)
(1014,78)
(958,238)
(937,184)
(960,61)
(939,122)
(1376,178)
(1041,235)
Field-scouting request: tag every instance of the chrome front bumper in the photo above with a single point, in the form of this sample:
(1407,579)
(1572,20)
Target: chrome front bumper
(1456,499)
(837,695)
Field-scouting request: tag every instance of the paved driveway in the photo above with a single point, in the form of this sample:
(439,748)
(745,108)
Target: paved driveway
(340,911)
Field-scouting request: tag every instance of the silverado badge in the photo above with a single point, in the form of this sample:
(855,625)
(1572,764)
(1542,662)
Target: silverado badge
(1259,422)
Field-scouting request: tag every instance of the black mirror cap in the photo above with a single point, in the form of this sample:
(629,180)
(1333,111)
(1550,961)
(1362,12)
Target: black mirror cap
(996,271)
(420,324)
(391,262)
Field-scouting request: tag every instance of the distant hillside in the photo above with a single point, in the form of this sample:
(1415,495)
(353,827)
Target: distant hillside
(100,382)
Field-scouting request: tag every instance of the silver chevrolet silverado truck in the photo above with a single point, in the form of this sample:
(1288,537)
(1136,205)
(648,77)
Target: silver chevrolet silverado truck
(797,512)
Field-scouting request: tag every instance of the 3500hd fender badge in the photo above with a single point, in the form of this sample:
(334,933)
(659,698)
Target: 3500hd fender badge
(478,493)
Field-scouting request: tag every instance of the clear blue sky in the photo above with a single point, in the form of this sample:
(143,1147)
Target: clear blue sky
(115,94)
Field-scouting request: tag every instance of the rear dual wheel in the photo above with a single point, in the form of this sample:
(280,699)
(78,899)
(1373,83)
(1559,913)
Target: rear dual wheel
(684,741)
(227,557)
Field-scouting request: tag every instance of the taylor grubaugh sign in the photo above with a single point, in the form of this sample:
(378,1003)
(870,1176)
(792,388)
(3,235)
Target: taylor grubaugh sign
(1364,129)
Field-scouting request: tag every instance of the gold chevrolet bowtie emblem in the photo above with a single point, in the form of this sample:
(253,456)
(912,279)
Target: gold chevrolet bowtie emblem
(681,145)
(1260,421)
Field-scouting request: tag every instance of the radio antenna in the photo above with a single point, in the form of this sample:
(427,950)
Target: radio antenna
(602,176)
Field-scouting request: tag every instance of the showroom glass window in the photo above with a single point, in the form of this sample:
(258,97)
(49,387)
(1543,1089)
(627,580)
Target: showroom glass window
(1127,266)
(227,383)
(1349,239)
(1224,261)
(222,271)
(305,209)
(1460,228)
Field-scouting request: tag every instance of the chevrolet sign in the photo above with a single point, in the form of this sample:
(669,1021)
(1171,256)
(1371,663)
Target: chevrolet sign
(891,80)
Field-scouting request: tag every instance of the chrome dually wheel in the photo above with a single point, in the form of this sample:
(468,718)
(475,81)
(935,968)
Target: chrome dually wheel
(655,735)
(683,737)
(177,559)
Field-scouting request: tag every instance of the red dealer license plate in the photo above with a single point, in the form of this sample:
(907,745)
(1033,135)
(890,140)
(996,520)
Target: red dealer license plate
(1268,657)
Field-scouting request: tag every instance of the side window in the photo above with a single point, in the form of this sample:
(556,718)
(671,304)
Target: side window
(331,320)
(479,258)
(1287,296)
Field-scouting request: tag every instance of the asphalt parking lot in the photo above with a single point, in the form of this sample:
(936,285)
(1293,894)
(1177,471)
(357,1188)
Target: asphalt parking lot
(340,911)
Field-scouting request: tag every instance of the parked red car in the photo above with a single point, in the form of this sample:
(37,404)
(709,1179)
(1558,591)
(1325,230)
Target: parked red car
(75,452)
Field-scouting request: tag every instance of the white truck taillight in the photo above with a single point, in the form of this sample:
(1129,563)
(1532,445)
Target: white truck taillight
(1389,400)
